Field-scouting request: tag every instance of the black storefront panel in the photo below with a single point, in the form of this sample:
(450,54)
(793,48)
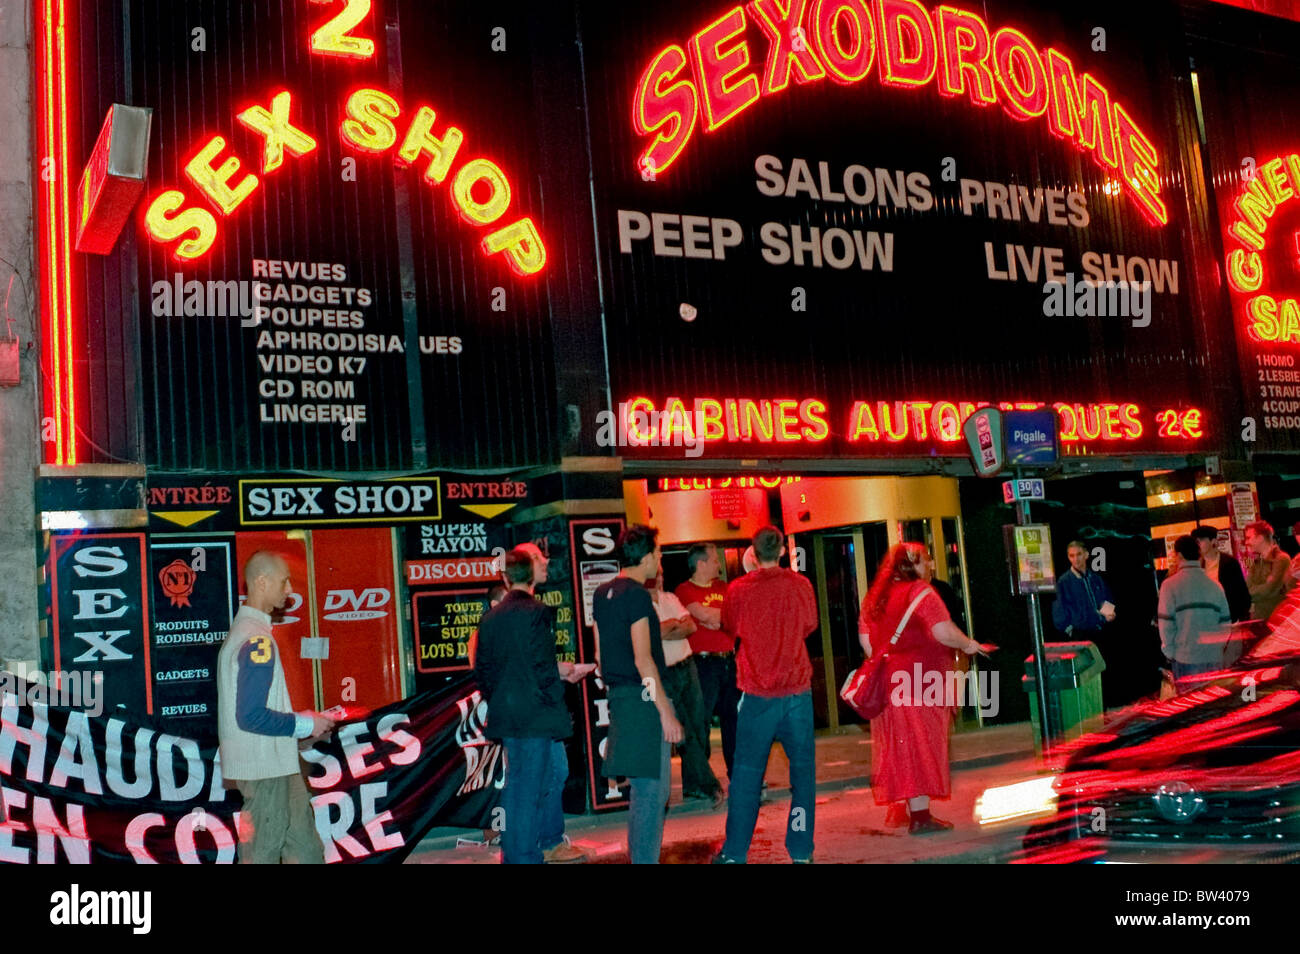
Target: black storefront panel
(342,262)
(846,263)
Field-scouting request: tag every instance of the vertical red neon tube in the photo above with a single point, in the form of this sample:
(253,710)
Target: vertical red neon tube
(59,390)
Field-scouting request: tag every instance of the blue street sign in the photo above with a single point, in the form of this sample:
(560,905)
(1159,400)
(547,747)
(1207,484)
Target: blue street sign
(1030,437)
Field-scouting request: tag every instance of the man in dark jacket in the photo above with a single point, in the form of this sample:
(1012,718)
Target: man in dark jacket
(1225,570)
(520,680)
(1083,604)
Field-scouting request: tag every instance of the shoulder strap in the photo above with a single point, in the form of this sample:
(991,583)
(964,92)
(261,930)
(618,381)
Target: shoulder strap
(907,615)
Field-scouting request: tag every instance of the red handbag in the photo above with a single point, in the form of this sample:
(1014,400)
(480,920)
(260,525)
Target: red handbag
(866,691)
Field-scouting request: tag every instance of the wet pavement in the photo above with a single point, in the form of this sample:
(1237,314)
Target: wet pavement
(850,826)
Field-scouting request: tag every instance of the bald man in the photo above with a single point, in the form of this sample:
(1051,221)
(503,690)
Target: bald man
(258,730)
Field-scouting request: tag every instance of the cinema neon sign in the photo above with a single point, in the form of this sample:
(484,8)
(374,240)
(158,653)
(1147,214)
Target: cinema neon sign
(1274,184)
(715,77)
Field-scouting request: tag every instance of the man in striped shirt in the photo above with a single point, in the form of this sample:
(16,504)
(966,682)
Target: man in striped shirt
(1193,615)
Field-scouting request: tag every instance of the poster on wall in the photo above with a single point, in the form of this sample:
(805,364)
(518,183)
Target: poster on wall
(193,603)
(445,621)
(592,544)
(100,606)
(551,536)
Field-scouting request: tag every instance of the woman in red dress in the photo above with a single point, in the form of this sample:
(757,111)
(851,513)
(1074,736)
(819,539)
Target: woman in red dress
(909,739)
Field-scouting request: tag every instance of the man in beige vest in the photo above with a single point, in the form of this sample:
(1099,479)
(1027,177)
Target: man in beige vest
(259,731)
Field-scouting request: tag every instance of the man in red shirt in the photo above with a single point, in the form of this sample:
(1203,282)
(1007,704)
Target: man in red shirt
(712,646)
(771,611)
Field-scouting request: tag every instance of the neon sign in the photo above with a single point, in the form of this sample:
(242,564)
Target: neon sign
(715,77)
(480,189)
(1275,183)
(747,482)
(789,421)
(54,217)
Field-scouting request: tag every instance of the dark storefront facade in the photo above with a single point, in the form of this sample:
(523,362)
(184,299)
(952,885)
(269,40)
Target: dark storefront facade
(403,290)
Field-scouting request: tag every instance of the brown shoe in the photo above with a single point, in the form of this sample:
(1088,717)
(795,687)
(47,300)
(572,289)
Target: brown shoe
(564,854)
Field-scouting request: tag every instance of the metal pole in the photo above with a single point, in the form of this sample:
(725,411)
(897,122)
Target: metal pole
(1040,669)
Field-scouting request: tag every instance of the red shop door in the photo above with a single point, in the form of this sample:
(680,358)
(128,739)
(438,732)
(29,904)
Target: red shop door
(356,609)
(296,624)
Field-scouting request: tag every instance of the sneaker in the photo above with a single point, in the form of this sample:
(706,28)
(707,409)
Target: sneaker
(564,854)
(928,826)
(721,859)
(801,861)
(896,817)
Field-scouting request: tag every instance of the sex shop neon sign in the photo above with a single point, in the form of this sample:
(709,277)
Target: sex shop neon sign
(479,188)
(715,77)
(1274,184)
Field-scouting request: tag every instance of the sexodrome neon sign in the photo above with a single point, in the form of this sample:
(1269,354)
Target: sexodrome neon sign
(1275,183)
(714,78)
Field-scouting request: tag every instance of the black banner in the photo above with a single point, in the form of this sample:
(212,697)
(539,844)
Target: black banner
(85,789)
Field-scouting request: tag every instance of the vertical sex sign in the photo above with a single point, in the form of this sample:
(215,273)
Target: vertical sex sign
(592,549)
(100,604)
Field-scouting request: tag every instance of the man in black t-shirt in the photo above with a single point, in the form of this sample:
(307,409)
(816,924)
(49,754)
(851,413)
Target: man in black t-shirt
(642,723)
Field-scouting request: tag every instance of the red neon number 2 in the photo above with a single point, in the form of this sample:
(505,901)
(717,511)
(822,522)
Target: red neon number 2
(332,38)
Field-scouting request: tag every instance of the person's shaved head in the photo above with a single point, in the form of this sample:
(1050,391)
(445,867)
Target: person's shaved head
(266,575)
(261,563)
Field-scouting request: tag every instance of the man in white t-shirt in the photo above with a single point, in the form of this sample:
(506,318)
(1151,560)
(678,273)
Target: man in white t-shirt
(682,683)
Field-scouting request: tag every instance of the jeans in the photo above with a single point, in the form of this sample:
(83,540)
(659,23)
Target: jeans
(551,831)
(789,720)
(682,683)
(645,823)
(718,688)
(535,774)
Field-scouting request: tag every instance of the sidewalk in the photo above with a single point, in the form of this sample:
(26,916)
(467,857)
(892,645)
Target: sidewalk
(843,766)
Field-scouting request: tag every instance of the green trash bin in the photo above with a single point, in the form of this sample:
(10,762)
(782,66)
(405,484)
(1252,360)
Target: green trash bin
(1073,690)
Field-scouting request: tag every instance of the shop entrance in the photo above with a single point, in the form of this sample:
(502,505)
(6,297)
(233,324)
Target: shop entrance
(838,530)
(852,522)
